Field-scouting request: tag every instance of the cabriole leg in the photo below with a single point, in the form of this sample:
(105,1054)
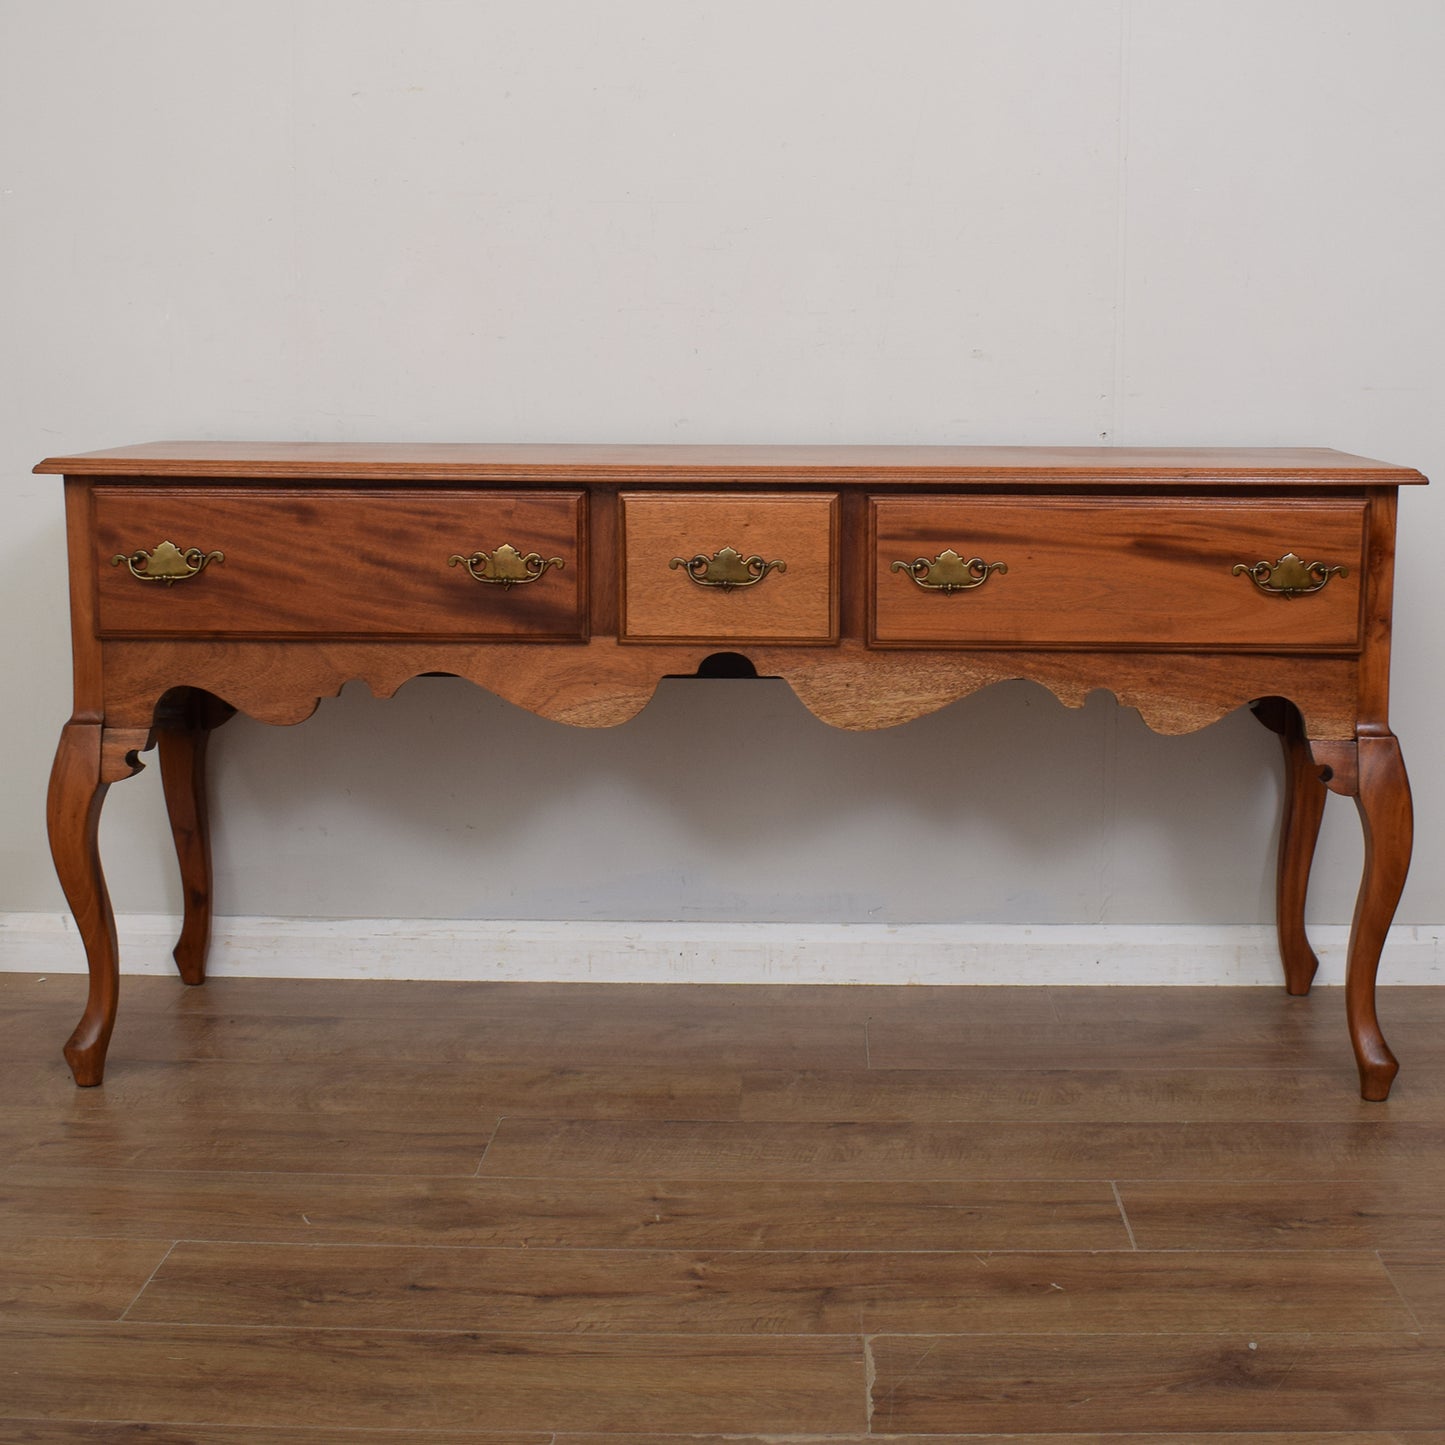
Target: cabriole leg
(86,763)
(1387,818)
(183,732)
(1304,806)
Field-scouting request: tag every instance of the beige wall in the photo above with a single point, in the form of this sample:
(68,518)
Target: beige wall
(1135,221)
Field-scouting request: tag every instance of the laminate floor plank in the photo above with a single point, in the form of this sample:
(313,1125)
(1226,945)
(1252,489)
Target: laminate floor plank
(431,1090)
(1211,1009)
(35,1023)
(348,1042)
(1088,1096)
(64,1432)
(1159,1028)
(505,1213)
(56,1432)
(576,1025)
(1157,1382)
(338,1379)
(64,993)
(764,1026)
(1271,1437)
(1221,1010)
(747,1150)
(1420,1278)
(478,1000)
(746,1292)
(1397,1214)
(73,1279)
(408,1143)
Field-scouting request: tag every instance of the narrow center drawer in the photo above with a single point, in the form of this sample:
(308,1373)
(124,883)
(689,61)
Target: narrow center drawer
(730,567)
(317,562)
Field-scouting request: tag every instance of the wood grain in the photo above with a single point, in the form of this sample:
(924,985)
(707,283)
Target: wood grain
(1387,820)
(606,683)
(464,1097)
(63,1432)
(569,464)
(73,805)
(42,1432)
(1247,1028)
(58,993)
(340,563)
(797,602)
(1203,1212)
(1420,1278)
(1163,1382)
(74,1279)
(183,732)
(1223,1012)
(622,1214)
(398,1142)
(1192,1437)
(1124,573)
(771,1292)
(785,1010)
(1301,816)
(469,1039)
(356,1379)
(1383,1152)
(1060,1095)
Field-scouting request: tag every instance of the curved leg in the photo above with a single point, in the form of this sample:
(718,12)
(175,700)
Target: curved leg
(1383,798)
(1304,806)
(182,735)
(77,791)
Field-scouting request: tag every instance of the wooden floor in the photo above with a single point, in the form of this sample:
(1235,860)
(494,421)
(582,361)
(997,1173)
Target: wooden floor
(524,1214)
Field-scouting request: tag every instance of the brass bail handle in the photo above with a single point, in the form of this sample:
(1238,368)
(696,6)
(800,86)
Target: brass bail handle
(1291,576)
(727,569)
(505,567)
(948,572)
(166,563)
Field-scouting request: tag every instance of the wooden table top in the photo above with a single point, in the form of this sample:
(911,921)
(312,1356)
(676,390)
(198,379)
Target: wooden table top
(566,464)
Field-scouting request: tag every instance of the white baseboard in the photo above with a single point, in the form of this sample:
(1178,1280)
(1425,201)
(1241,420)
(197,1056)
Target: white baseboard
(845,953)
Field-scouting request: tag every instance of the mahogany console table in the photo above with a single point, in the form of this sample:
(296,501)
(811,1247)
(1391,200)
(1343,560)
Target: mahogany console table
(880,582)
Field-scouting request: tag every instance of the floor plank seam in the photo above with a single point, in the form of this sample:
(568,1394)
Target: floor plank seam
(1051,997)
(121,1318)
(1124,1214)
(870,1379)
(1395,1285)
(492,1139)
(589,1335)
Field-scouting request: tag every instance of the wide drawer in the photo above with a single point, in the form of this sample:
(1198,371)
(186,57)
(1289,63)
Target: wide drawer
(318,562)
(1122,572)
(730,567)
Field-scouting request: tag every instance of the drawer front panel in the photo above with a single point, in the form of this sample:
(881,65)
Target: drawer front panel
(1118,573)
(335,563)
(673,571)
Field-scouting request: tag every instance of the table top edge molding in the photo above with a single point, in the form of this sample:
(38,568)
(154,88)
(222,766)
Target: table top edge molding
(888,466)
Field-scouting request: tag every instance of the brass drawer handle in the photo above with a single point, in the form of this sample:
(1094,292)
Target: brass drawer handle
(727,569)
(166,563)
(1289,577)
(506,566)
(948,572)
